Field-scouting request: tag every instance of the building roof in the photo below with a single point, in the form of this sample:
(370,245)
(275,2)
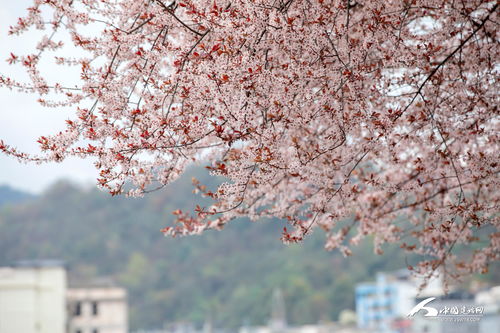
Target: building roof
(38,263)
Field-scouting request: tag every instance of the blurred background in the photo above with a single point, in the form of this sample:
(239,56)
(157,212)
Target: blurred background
(110,255)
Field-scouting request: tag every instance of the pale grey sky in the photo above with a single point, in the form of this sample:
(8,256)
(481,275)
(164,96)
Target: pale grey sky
(23,120)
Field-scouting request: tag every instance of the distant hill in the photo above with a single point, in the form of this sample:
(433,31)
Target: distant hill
(8,195)
(228,275)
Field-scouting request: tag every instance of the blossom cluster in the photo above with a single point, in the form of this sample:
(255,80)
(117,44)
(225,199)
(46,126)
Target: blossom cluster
(360,118)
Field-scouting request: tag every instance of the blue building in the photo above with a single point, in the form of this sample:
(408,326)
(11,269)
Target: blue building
(379,304)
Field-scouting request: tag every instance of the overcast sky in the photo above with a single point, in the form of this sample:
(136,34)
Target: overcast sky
(23,120)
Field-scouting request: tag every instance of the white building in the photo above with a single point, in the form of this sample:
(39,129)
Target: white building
(33,297)
(490,300)
(97,310)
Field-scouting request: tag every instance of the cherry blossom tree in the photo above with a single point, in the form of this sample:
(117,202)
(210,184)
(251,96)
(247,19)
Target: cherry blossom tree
(355,117)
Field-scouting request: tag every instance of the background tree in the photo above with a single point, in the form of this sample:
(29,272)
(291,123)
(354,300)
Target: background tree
(229,276)
(356,117)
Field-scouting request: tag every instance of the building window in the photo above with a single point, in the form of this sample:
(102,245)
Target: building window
(95,309)
(78,310)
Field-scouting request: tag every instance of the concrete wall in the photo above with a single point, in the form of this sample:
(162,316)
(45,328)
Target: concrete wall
(111,306)
(32,299)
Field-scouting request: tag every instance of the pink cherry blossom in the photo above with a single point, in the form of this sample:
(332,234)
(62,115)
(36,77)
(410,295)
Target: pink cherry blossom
(354,117)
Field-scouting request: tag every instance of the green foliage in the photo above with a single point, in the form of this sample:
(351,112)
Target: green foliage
(9,195)
(229,276)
